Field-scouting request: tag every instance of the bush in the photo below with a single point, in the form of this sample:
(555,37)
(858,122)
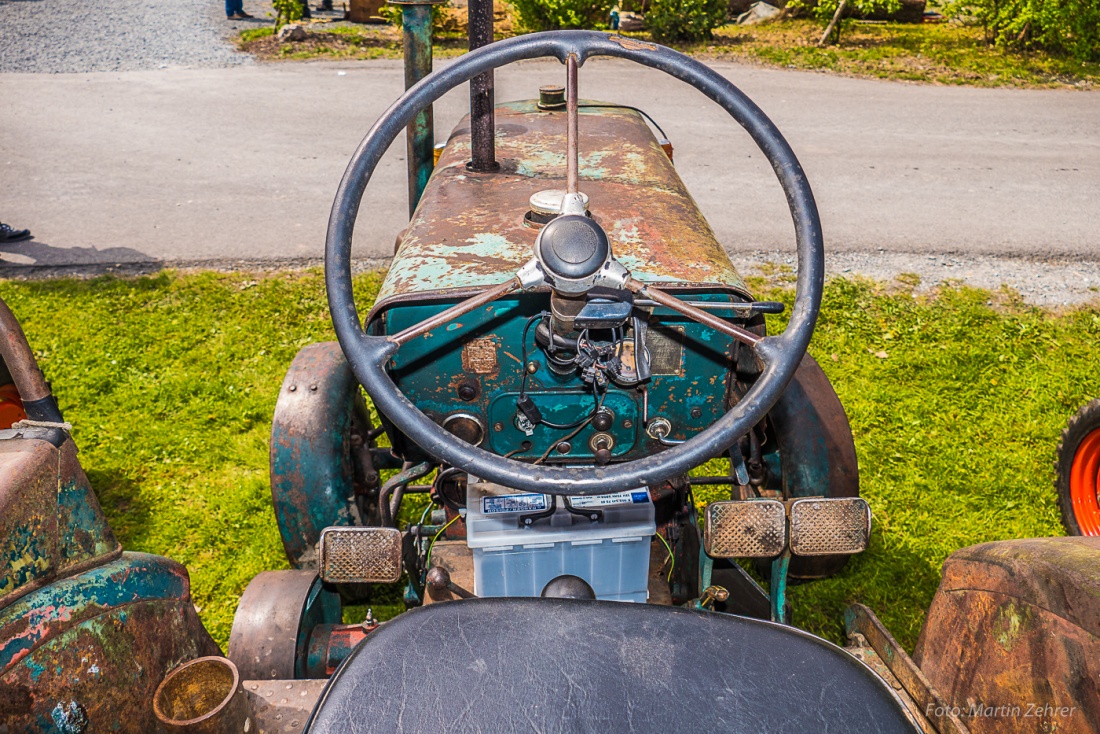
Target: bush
(287,11)
(685,20)
(552,15)
(824,10)
(1065,26)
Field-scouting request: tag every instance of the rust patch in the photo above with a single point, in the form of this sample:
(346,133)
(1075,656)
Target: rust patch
(1010,639)
(479,356)
(632,44)
(469,231)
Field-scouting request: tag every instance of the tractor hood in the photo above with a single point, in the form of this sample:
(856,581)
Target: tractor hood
(469,230)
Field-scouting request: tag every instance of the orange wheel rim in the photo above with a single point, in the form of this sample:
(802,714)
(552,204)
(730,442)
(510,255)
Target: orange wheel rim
(1083,484)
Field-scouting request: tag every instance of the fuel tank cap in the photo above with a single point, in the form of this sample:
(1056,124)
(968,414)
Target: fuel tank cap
(573,247)
(548,202)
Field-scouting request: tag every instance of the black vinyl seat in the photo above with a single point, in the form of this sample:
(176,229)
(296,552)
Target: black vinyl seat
(563,665)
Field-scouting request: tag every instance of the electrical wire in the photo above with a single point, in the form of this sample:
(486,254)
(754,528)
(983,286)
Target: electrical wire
(671,560)
(523,383)
(428,556)
(641,112)
(523,348)
(578,422)
(554,444)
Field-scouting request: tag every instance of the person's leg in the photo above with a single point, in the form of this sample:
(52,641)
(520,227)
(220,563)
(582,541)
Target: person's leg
(232,7)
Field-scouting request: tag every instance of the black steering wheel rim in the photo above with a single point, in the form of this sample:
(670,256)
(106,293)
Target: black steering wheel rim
(368,355)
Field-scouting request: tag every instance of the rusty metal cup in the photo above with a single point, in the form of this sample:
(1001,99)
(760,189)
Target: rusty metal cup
(203,696)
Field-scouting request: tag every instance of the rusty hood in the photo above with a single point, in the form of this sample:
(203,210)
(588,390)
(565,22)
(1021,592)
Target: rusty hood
(469,231)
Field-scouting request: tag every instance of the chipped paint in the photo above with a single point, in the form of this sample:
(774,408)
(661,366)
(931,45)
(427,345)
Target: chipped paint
(469,230)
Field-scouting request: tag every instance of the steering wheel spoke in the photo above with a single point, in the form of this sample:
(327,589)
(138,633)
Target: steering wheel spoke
(696,314)
(459,309)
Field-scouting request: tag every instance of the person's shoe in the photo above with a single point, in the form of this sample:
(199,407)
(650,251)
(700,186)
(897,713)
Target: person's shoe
(8,234)
(241,14)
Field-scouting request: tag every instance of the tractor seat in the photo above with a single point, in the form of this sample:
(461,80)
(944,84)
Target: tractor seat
(565,665)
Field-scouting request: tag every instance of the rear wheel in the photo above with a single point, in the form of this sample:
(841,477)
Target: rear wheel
(1078,468)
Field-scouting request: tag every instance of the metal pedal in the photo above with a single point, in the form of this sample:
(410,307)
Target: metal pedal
(745,529)
(360,555)
(827,527)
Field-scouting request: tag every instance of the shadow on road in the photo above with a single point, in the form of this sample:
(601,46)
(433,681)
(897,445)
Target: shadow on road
(38,259)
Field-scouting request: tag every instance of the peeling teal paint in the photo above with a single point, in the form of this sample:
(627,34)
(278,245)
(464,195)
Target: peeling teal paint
(469,231)
(133,578)
(84,532)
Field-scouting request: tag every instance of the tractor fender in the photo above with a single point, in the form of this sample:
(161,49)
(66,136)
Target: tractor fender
(86,652)
(816,451)
(1012,637)
(312,463)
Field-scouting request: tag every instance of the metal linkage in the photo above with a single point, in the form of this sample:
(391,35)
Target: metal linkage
(572,155)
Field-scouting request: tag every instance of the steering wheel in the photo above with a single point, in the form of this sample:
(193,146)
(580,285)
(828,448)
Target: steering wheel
(572,255)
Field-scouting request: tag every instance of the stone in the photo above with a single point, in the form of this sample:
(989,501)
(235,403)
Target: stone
(292,32)
(757,13)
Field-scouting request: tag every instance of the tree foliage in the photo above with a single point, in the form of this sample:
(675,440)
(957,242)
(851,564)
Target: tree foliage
(287,11)
(552,15)
(685,20)
(1064,26)
(826,10)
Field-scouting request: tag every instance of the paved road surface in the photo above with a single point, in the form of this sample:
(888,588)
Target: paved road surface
(241,163)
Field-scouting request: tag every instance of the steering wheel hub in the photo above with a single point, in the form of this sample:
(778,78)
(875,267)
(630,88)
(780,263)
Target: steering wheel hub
(572,249)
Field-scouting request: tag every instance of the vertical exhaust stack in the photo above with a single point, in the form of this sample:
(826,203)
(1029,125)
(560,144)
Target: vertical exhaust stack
(482,123)
(416,25)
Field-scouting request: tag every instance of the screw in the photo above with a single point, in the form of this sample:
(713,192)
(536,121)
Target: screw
(564,447)
(532,367)
(467,392)
(696,413)
(628,423)
(293,388)
(313,388)
(498,427)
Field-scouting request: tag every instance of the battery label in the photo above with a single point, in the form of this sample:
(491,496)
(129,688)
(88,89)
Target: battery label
(514,503)
(631,497)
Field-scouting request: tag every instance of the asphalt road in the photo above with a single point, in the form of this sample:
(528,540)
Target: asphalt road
(241,163)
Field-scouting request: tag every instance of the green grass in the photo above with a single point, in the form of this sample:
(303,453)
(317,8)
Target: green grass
(939,53)
(171,380)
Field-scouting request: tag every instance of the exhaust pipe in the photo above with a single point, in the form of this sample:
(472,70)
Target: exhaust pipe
(482,122)
(203,696)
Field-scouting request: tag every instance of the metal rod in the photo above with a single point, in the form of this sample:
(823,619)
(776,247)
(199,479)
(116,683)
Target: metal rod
(482,92)
(708,481)
(777,589)
(749,308)
(416,23)
(20,359)
(572,155)
(696,314)
(486,296)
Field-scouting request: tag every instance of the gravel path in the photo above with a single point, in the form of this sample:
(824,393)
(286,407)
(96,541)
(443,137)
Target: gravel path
(66,36)
(1050,283)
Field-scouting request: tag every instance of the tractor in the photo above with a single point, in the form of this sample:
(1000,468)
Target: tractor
(559,345)
(1078,472)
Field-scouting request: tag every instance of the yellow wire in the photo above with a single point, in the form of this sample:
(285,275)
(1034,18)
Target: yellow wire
(671,557)
(428,558)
